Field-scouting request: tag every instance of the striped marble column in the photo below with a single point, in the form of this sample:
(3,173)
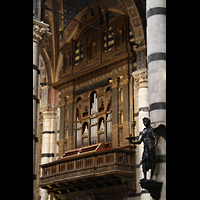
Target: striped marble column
(40,35)
(49,105)
(156,58)
(48,134)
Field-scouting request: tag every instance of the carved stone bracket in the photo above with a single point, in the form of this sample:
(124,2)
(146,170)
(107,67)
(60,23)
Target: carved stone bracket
(141,78)
(41,33)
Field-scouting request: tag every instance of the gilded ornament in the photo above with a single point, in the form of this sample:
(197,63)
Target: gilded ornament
(136,22)
(133,12)
(128,2)
(138,32)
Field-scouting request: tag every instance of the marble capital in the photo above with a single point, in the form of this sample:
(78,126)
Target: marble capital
(41,33)
(141,78)
(49,110)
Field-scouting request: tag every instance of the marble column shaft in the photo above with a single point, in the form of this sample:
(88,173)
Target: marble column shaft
(141,81)
(156,58)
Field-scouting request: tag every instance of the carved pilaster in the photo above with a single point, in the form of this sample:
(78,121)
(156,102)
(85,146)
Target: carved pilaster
(141,78)
(41,33)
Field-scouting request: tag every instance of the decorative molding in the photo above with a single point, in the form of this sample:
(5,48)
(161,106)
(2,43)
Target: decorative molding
(97,79)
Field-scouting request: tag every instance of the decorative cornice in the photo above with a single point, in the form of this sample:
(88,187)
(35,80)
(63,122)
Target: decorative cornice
(41,33)
(141,78)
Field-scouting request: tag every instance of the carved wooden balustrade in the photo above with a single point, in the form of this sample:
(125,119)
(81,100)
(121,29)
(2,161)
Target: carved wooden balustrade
(72,172)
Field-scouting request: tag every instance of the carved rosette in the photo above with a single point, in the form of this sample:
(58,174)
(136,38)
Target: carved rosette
(141,78)
(41,33)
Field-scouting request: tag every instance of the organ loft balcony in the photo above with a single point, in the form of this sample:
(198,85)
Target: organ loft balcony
(94,166)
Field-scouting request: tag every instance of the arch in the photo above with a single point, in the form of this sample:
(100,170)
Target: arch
(134,8)
(137,17)
(59,65)
(108,89)
(48,65)
(78,99)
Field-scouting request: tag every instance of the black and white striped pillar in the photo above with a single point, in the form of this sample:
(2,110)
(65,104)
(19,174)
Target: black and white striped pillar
(40,35)
(156,58)
(48,107)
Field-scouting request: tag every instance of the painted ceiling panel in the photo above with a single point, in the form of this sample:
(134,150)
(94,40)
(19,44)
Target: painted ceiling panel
(73,7)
